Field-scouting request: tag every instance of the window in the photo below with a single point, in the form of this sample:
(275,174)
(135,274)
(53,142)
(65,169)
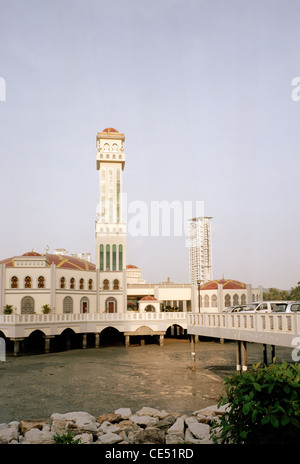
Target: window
(27,281)
(120,257)
(243,299)
(206,301)
(91,284)
(14,282)
(72,283)
(214,301)
(111,305)
(84,305)
(114,257)
(67,305)
(101,258)
(105,284)
(81,284)
(27,305)
(41,282)
(107,257)
(235,299)
(62,282)
(116,284)
(227,300)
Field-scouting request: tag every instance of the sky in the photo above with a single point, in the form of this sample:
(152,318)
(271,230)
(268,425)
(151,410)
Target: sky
(205,92)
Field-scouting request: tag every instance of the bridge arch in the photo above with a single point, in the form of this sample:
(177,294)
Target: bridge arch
(176,331)
(111,336)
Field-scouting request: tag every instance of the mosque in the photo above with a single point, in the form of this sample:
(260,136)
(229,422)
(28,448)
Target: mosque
(57,283)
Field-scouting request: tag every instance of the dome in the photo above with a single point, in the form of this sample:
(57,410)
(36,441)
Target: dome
(32,253)
(227,284)
(148,298)
(110,129)
(131,266)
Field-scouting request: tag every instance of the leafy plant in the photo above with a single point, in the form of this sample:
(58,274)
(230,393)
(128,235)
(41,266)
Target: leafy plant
(263,406)
(8,309)
(46,309)
(65,439)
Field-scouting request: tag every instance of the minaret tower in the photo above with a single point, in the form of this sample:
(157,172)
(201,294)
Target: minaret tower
(110,229)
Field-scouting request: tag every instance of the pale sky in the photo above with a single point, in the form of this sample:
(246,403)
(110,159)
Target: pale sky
(202,91)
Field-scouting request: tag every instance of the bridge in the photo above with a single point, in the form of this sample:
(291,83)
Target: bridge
(17,327)
(275,329)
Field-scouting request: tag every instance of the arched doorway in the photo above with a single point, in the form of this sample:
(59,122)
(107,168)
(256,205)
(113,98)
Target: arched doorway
(84,305)
(27,305)
(111,305)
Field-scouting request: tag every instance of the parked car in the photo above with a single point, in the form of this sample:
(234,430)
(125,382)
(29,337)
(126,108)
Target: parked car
(235,309)
(270,306)
(290,307)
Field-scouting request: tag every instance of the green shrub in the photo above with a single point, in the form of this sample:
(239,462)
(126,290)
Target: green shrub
(65,439)
(263,406)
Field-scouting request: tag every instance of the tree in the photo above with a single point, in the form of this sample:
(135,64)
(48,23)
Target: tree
(275,294)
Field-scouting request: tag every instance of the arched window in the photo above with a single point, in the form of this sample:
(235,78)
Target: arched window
(116,284)
(111,305)
(107,257)
(27,282)
(120,257)
(101,258)
(105,284)
(41,282)
(214,302)
(72,283)
(62,282)
(114,257)
(84,305)
(243,299)
(81,284)
(115,147)
(27,305)
(14,282)
(67,305)
(150,309)
(206,301)
(106,147)
(91,284)
(235,299)
(227,300)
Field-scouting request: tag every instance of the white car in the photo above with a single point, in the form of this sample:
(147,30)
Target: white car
(290,307)
(271,306)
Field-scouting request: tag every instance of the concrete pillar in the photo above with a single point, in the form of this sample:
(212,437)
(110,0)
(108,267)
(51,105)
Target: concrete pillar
(84,340)
(244,356)
(17,342)
(272,352)
(238,356)
(97,340)
(220,298)
(127,341)
(161,340)
(47,339)
(68,342)
(193,352)
(52,287)
(249,293)
(265,354)
(142,341)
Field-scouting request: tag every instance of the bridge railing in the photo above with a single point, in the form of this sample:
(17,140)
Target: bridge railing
(15,319)
(286,323)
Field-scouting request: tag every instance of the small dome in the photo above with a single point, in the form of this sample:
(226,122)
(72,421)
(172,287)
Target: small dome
(227,284)
(110,129)
(131,266)
(148,298)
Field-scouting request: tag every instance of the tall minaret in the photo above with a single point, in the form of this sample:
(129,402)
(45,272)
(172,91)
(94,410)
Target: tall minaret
(110,230)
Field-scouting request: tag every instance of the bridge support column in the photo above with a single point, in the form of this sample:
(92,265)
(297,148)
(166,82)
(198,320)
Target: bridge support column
(127,341)
(244,356)
(84,340)
(97,340)
(193,352)
(265,354)
(272,352)
(161,340)
(17,342)
(238,356)
(47,339)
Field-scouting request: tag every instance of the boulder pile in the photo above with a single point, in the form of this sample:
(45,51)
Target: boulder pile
(146,426)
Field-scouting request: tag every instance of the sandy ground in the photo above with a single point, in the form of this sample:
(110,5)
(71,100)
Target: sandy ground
(102,380)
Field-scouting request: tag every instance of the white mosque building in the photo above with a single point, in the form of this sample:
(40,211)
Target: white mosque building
(58,283)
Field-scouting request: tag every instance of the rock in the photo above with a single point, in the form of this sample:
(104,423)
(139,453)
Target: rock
(85,438)
(178,427)
(109,417)
(125,413)
(174,439)
(146,421)
(39,437)
(109,439)
(146,411)
(199,430)
(26,425)
(128,425)
(150,436)
(191,420)
(61,426)
(190,439)
(107,427)
(78,420)
(166,422)
(8,434)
